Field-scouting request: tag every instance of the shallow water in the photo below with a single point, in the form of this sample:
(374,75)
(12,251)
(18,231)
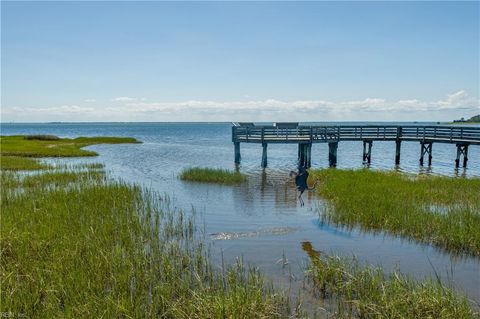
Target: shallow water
(261,220)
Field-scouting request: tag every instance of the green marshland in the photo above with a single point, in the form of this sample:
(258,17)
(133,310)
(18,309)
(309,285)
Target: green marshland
(436,210)
(76,243)
(212,175)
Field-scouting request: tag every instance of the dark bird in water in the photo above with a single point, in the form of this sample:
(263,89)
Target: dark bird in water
(301,177)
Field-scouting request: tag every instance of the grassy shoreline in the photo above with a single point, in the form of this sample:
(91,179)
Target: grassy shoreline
(53,146)
(441,211)
(77,245)
(212,175)
(17,163)
(363,291)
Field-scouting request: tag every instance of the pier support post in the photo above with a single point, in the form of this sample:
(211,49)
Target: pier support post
(309,155)
(462,149)
(367,152)
(237,152)
(301,154)
(332,154)
(465,156)
(398,146)
(426,148)
(264,155)
(305,154)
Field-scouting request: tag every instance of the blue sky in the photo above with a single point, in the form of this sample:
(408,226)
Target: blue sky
(221,61)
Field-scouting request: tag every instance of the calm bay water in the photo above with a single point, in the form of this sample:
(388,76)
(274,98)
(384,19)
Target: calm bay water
(261,219)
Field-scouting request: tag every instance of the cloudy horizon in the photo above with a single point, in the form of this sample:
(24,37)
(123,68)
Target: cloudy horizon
(125,109)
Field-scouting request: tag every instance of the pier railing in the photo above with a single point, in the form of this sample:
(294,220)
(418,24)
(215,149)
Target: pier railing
(325,134)
(305,136)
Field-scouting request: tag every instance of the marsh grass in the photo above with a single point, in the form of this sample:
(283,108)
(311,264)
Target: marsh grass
(41,146)
(17,163)
(91,166)
(42,137)
(401,204)
(78,245)
(103,248)
(212,175)
(61,178)
(363,291)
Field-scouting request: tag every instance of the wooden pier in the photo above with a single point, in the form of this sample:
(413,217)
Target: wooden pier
(305,136)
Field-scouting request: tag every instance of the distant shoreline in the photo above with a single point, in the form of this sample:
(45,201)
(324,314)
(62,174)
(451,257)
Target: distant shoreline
(464,123)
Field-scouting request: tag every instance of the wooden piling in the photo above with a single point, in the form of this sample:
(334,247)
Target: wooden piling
(301,154)
(369,157)
(332,154)
(426,148)
(430,155)
(299,151)
(398,146)
(367,152)
(457,160)
(264,155)
(364,152)
(462,149)
(465,156)
(305,155)
(309,155)
(238,157)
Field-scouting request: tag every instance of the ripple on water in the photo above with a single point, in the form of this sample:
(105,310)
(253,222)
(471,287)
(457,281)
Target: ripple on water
(278,231)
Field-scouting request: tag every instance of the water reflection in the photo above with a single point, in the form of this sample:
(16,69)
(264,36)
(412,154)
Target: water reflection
(460,172)
(308,248)
(325,227)
(425,170)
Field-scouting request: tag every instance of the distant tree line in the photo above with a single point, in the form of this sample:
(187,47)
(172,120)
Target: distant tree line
(475,118)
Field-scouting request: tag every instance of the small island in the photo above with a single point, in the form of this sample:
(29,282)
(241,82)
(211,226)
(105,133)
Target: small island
(212,175)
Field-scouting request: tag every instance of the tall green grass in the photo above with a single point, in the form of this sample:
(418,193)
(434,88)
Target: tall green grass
(212,175)
(42,137)
(52,146)
(362,291)
(76,245)
(16,163)
(442,211)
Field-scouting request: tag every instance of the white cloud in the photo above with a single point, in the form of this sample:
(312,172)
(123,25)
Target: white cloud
(54,109)
(459,100)
(89,100)
(123,99)
(454,105)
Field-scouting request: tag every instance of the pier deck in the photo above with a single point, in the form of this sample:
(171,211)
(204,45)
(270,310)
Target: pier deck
(305,136)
